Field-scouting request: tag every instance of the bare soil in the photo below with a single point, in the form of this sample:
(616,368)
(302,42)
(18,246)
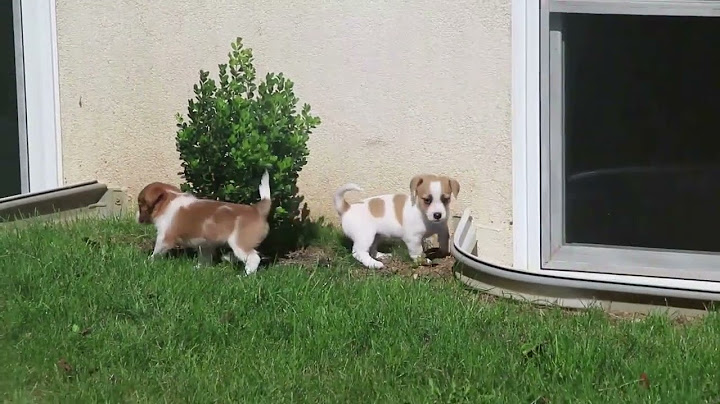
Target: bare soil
(441,267)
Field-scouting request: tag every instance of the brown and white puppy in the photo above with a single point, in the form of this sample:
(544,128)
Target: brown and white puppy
(411,218)
(182,220)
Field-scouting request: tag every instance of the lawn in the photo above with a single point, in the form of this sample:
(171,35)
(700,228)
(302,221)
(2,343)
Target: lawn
(85,318)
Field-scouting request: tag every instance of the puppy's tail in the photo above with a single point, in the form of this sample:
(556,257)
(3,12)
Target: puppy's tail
(265,203)
(341,205)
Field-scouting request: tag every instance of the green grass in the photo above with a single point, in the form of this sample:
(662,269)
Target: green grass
(128,330)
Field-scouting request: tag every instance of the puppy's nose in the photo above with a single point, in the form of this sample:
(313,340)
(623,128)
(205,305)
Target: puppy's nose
(437,215)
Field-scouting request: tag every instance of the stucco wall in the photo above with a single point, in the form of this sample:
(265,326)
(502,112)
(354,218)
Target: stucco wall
(404,86)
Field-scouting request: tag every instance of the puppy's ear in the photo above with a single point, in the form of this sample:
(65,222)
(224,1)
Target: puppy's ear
(414,184)
(156,200)
(454,187)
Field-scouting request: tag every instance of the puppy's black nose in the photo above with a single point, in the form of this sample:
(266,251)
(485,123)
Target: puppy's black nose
(437,215)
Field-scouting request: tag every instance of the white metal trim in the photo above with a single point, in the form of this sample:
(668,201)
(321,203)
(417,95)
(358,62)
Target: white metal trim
(41,94)
(519,122)
(697,8)
(532,134)
(554,156)
(59,173)
(526,134)
(546,81)
(621,260)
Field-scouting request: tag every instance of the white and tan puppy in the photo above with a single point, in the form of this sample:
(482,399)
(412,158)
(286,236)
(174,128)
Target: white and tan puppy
(410,218)
(182,220)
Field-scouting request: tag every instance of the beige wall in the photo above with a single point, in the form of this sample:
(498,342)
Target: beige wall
(404,86)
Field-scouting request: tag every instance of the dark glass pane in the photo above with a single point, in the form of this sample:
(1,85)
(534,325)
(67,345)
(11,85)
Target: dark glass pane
(642,125)
(9,139)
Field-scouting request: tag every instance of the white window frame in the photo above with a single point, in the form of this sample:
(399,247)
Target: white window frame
(38,94)
(525,31)
(528,191)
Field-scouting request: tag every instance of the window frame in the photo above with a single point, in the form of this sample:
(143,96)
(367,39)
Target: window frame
(37,75)
(555,254)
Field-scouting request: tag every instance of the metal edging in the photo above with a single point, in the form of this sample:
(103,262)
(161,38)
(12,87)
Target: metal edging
(32,195)
(51,201)
(473,262)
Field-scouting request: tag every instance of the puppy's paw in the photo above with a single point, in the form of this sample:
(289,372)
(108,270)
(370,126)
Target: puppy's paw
(252,263)
(383,256)
(367,261)
(375,265)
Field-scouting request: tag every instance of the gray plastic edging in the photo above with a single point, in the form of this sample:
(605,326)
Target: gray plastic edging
(52,201)
(521,277)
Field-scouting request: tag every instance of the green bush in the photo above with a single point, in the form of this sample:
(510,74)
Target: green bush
(236,129)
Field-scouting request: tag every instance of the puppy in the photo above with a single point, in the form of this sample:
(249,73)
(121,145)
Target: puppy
(183,220)
(410,218)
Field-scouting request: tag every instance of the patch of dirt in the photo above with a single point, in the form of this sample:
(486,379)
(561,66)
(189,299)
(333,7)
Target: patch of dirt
(311,257)
(441,268)
(308,257)
(145,244)
(65,367)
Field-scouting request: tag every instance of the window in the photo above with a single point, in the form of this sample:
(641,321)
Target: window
(30,152)
(630,137)
(13,145)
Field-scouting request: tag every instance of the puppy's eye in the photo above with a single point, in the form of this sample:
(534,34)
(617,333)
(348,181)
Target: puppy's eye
(427,200)
(445,199)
